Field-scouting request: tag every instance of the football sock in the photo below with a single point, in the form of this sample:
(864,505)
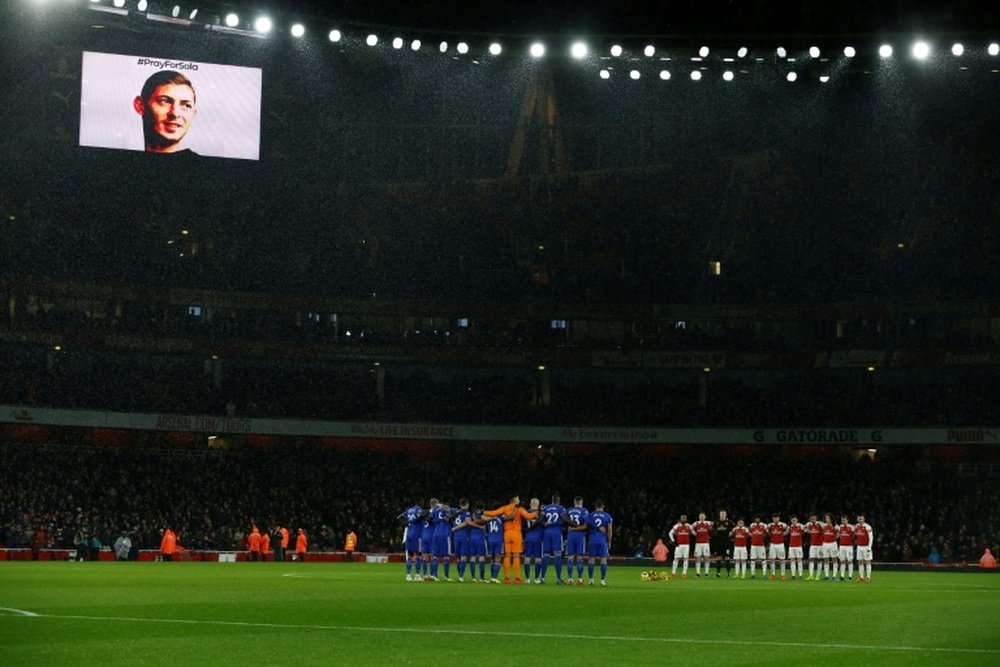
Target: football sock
(604,570)
(559,566)
(517,565)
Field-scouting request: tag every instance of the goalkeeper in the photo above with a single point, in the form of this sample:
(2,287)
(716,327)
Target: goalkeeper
(721,546)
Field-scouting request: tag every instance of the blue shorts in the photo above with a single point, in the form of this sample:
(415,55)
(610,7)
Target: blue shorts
(533,548)
(427,541)
(442,546)
(598,548)
(477,545)
(552,542)
(413,540)
(576,544)
(496,545)
(461,540)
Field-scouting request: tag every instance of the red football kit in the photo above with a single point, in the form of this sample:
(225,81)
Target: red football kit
(702,531)
(795,533)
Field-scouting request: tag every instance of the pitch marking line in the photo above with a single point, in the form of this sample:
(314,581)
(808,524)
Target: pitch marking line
(18,612)
(522,635)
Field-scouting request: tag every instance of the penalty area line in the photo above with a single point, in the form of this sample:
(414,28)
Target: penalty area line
(520,635)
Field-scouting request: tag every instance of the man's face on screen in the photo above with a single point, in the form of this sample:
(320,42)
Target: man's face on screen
(167,116)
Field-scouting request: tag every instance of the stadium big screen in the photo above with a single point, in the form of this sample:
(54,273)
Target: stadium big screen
(156,104)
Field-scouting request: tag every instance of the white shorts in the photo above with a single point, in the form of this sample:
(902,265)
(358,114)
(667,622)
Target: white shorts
(757,553)
(682,551)
(829,550)
(795,553)
(815,551)
(739,553)
(845,554)
(864,554)
(776,551)
(701,549)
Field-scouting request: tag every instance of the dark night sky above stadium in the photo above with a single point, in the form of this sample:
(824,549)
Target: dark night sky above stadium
(688,17)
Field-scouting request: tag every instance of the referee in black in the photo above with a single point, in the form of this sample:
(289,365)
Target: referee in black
(721,544)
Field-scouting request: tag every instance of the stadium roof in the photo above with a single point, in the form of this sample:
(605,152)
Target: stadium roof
(690,17)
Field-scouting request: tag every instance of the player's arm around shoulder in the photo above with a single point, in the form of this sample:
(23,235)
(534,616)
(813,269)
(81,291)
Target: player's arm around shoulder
(500,511)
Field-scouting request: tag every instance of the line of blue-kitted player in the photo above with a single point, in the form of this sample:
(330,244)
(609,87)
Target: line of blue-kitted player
(541,533)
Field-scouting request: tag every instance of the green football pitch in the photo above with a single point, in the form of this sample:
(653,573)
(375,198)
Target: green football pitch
(326,614)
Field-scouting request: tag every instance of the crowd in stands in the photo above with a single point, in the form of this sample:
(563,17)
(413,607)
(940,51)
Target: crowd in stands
(72,495)
(422,393)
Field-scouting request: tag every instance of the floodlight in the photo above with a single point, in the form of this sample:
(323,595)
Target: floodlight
(885,51)
(792,76)
(921,50)
(850,52)
(415,45)
(537,50)
(703,52)
(495,49)
(143,5)
(463,48)
(696,75)
(121,3)
(262,24)
(824,78)
(371,40)
(649,51)
(298,30)
(814,52)
(605,74)
(176,11)
(443,47)
(742,53)
(397,43)
(665,74)
(957,49)
(634,75)
(616,50)
(578,50)
(194,12)
(728,75)
(335,35)
(781,52)
(994,49)
(232,20)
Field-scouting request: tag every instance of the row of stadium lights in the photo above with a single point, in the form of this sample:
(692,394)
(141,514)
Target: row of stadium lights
(920,50)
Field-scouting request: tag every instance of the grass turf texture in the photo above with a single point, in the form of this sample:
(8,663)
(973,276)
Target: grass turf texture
(322,614)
